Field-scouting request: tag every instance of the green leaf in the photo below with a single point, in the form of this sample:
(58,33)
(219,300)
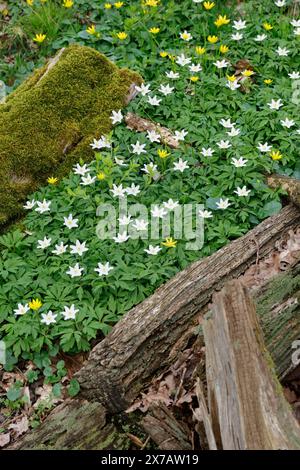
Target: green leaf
(73,388)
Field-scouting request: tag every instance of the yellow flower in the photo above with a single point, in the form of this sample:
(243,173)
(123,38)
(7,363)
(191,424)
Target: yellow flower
(200,50)
(151,3)
(52,180)
(5,12)
(268,81)
(231,78)
(163,54)
(224,49)
(247,73)
(162,153)
(275,155)
(212,39)
(29,2)
(194,78)
(107,6)
(154,30)
(267,26)
(39,38)
(91,30)
(35,304)
(101,176)
(122,35)
(68,3)
(221,20)
(170,242)
(118,4)
(208,5)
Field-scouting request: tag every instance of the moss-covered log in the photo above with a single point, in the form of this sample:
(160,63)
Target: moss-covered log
(48,123)
(76,425)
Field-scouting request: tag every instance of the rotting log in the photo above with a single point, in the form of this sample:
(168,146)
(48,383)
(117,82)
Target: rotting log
(147,339)
(246,402)
(49,121)
(278,310)
(290,185)
(139,124)
(76,425)
(165,430)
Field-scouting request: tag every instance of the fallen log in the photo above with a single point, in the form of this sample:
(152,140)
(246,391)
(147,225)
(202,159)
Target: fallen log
(77,425)
(165,430)
(149,337)
(290,185)
(140,124)
(247,406)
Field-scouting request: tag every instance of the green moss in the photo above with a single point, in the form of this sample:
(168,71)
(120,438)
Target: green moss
(48,123)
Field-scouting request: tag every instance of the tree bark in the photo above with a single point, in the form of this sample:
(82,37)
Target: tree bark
(290,185)
(76,425)
(140,124)
(149,337)
(164,430)
(246,402)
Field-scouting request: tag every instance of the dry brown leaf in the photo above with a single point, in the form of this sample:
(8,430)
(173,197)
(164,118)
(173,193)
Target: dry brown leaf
(4,439)
(19,427)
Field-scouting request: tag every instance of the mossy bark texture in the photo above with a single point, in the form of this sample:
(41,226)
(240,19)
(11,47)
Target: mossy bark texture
(48,123)
(76,425)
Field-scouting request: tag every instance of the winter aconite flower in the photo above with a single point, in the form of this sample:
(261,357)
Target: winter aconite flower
(276,155)
(39,38)
(224,49)
(52,180)
(162,153)
(91,30)
(68,3)
(212,39)
(169,242)
(122,35)
(35,304)
(221,20)
(200,50)
(154,30)
(208,5)
(267,26)
(118,4)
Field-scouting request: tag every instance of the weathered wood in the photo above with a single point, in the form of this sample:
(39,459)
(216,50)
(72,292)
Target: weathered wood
(201,414)
(165,430)
(149,337)
(76,425)
(290,185)
(278,310)
(140,124)
(246,401)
